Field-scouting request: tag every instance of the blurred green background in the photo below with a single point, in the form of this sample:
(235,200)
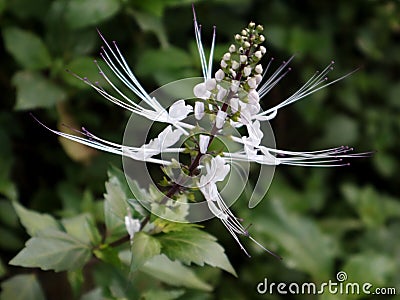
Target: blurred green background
(320,220)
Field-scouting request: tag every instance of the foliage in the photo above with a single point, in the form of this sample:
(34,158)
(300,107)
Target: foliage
(320,220)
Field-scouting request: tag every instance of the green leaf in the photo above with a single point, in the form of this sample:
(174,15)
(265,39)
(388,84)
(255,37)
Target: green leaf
(26,48)
(370,267)
(83,66)
(170,58)
(108,255)
(83,13)
(36,91)
(53,250)
(76,280)
(160,294)
(144,247)
(149,22)
(195,246)
(22,287)
(95,294)
(35,222)
(115,206)
(174,273)
(83,228)
(307,247)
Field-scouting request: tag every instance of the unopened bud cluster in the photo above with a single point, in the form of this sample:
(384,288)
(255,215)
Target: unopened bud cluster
(242,59)
(236,81)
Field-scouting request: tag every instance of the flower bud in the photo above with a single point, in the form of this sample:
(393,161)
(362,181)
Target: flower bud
(219,75)
(220,119)
(263,50)
(203,143)
(252,83)
(223,64)
(246,44)
(258,69)
(221,94)
(247,71)
(232,48)
(227,56)
(262,38)
(210,84)
(244,32)
(243,59)
(235,65)
(258,54)
(198,110)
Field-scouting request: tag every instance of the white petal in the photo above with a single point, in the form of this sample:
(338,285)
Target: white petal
(179,111)
(198,110)
(219,75)
(220,119)
(200,91)
(203,143)
(210,84)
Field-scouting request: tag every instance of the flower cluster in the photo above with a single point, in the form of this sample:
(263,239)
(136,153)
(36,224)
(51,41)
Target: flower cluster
(230,98)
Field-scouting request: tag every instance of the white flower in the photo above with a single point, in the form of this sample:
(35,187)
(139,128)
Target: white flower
(203,143)
(235,65)
(258,69)
(232,48)
(219,75)
(253,97)
(200,91)
(223,64)
(211,83)
(247,71)
(243,58)
(220,119)
(131,225)
(218,170)
(252,82)
(198,110)
(221,93)
(179,111)
(227,56)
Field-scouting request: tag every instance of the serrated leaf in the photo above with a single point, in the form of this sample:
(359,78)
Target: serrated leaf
(35,222)
(195,246)
(36,91)
(83,228)
(83,13)
(53,250)
(22,287)
(115,207)
(143,248)
(173,272)
(26,48)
